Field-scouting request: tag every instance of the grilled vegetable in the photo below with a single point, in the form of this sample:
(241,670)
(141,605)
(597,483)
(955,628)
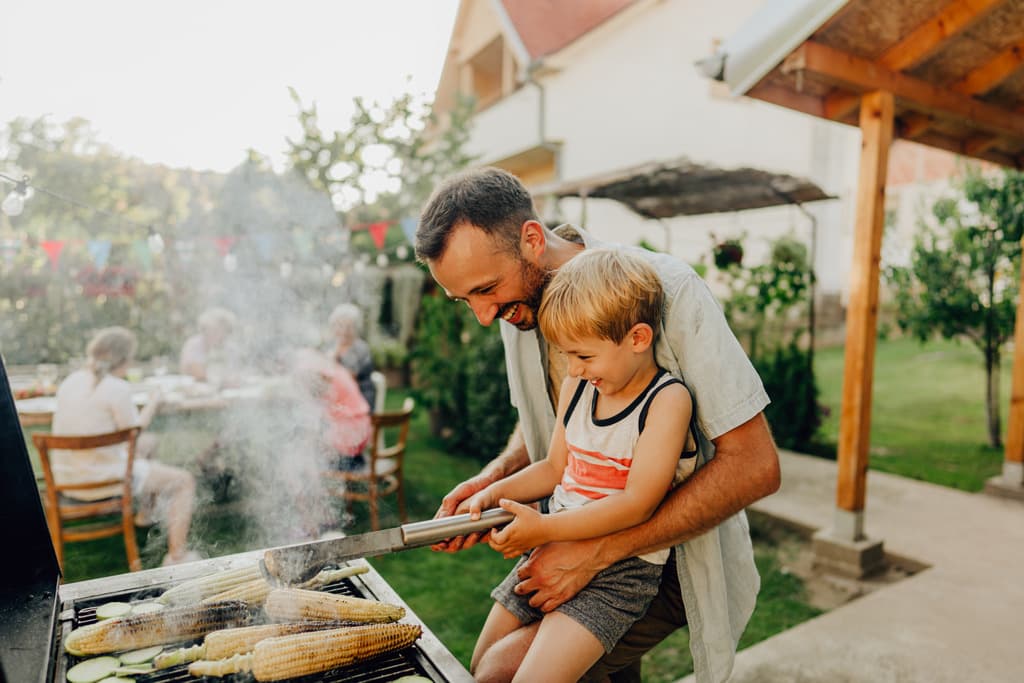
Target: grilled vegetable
(236,641)
(140,656)
(194,590)
(158,628)
(275,659)
(92,670)
(252,592)
(255,592)
(289,604)
(109,610)
(147,607)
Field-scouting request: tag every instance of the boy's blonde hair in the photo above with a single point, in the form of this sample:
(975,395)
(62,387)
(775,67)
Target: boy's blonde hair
(601,293)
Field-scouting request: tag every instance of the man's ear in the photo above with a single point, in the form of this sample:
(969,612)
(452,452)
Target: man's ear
(641,336)
(533,241)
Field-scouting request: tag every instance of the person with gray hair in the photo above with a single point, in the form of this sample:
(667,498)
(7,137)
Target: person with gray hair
(215,326)
(350,350)
(96,400)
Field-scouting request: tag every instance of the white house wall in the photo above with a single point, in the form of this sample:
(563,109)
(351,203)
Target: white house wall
(628,93)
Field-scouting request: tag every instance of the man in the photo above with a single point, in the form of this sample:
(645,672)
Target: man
(481,238)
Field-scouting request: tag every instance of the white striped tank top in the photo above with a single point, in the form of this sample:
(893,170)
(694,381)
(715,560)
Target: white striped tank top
(601,451)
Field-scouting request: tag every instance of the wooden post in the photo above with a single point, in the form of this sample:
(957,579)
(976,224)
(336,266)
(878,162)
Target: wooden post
(876,125)
(1013,464)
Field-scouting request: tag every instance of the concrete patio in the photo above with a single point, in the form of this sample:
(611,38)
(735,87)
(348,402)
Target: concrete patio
(959,620)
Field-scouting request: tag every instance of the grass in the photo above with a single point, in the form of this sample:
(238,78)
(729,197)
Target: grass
(450,593)
(928,411)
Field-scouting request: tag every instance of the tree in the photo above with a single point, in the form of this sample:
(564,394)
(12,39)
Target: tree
(963,278)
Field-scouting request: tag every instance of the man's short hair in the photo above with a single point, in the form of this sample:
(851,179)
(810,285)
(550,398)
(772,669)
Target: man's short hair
(601,293)
(489,198)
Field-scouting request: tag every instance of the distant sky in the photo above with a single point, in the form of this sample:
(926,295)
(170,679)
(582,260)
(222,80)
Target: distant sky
(194,83)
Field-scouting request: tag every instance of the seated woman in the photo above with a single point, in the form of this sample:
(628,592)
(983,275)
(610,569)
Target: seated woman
(206,349)
(97,400)
(350,351)
(346,414)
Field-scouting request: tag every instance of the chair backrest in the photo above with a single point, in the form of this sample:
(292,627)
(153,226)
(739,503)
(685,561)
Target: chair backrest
(44,443)
(382,420)
(380,385)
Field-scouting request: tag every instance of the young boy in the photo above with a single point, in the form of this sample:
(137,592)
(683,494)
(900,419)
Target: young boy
(621,442)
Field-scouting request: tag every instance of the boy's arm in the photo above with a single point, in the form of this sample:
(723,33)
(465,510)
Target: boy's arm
(537,480)
(650,478)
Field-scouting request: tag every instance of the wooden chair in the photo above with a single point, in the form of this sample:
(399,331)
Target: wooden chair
(109,516)
(383,473)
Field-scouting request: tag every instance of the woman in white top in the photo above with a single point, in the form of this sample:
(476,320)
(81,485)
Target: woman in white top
(97,400)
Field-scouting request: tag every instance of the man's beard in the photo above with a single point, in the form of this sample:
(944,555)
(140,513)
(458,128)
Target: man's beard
(535,280)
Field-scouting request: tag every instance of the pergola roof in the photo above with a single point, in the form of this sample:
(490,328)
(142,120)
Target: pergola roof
(683,188)
(954,66)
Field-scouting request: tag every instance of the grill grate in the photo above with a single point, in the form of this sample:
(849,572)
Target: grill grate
(387,667)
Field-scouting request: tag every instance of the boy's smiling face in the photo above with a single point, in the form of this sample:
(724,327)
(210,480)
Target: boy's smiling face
(611,367)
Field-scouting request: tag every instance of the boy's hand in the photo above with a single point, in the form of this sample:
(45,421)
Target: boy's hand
(524,533)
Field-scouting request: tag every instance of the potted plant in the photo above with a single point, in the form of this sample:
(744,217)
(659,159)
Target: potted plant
(728,253)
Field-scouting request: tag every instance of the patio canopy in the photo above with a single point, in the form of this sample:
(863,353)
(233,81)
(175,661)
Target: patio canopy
(945,73)
(681,187)
(953,67)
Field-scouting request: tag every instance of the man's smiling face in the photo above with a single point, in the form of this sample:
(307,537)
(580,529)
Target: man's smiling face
(493,282)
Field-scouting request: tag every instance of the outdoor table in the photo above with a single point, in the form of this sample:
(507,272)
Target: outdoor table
(181,394)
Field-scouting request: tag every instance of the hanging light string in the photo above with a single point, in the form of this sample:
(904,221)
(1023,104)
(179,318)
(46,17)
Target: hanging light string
(22,186)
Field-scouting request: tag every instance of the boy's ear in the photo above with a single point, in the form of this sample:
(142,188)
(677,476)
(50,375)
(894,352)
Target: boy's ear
(532,241)
(641,337)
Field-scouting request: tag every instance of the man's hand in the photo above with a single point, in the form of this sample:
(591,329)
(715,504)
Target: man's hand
(525,532)
(457,501)
(558,571)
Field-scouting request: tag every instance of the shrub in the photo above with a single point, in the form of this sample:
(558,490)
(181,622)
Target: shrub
(794,414)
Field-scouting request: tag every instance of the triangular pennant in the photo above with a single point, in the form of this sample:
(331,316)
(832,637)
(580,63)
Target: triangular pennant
(378,231)
(409,229)
(100,252)
(53,249)
(264,242)
(224,244)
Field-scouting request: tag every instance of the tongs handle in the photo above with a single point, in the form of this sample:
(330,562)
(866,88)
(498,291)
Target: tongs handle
(435,530)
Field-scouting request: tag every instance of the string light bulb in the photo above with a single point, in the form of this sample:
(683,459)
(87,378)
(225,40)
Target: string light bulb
(14,203)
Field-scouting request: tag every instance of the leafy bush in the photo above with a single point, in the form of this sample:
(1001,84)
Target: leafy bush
(794,413)
(459,369)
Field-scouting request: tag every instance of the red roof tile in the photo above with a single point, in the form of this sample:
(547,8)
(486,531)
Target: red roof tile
(546,26)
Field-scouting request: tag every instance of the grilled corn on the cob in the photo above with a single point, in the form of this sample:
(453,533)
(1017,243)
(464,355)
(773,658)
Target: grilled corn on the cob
(275,659)
(289,604)
(194,590)
(252,592)
(156,628)
(237,641)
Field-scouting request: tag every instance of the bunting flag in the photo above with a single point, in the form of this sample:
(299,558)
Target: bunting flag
(409,229)
(378,231)
(100,252)
(224,244)
(53,249)
(264,242)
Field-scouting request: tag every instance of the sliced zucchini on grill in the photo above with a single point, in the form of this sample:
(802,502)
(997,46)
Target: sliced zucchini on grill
(140,656)
(92,670)
(109,610)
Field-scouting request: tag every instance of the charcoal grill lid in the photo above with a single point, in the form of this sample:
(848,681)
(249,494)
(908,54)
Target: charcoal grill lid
(29,573)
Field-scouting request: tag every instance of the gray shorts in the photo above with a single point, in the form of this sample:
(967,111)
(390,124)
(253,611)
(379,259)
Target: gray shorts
(607,607)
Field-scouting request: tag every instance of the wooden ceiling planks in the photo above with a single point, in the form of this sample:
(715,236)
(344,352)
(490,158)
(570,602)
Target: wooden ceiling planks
(956,68)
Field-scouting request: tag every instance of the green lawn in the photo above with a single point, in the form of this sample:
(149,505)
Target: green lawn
(928,411)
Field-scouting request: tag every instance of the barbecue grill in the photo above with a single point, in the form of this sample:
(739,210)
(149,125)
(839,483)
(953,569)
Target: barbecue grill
(36,612)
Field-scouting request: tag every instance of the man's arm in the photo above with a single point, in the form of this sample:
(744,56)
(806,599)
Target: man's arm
(512,459)
(745,469)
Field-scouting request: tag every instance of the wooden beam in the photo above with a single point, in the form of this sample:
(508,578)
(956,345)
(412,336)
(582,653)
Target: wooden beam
(993,72)
(855,73)
(785,97)
(913,124)
(876,125)
(922,42)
